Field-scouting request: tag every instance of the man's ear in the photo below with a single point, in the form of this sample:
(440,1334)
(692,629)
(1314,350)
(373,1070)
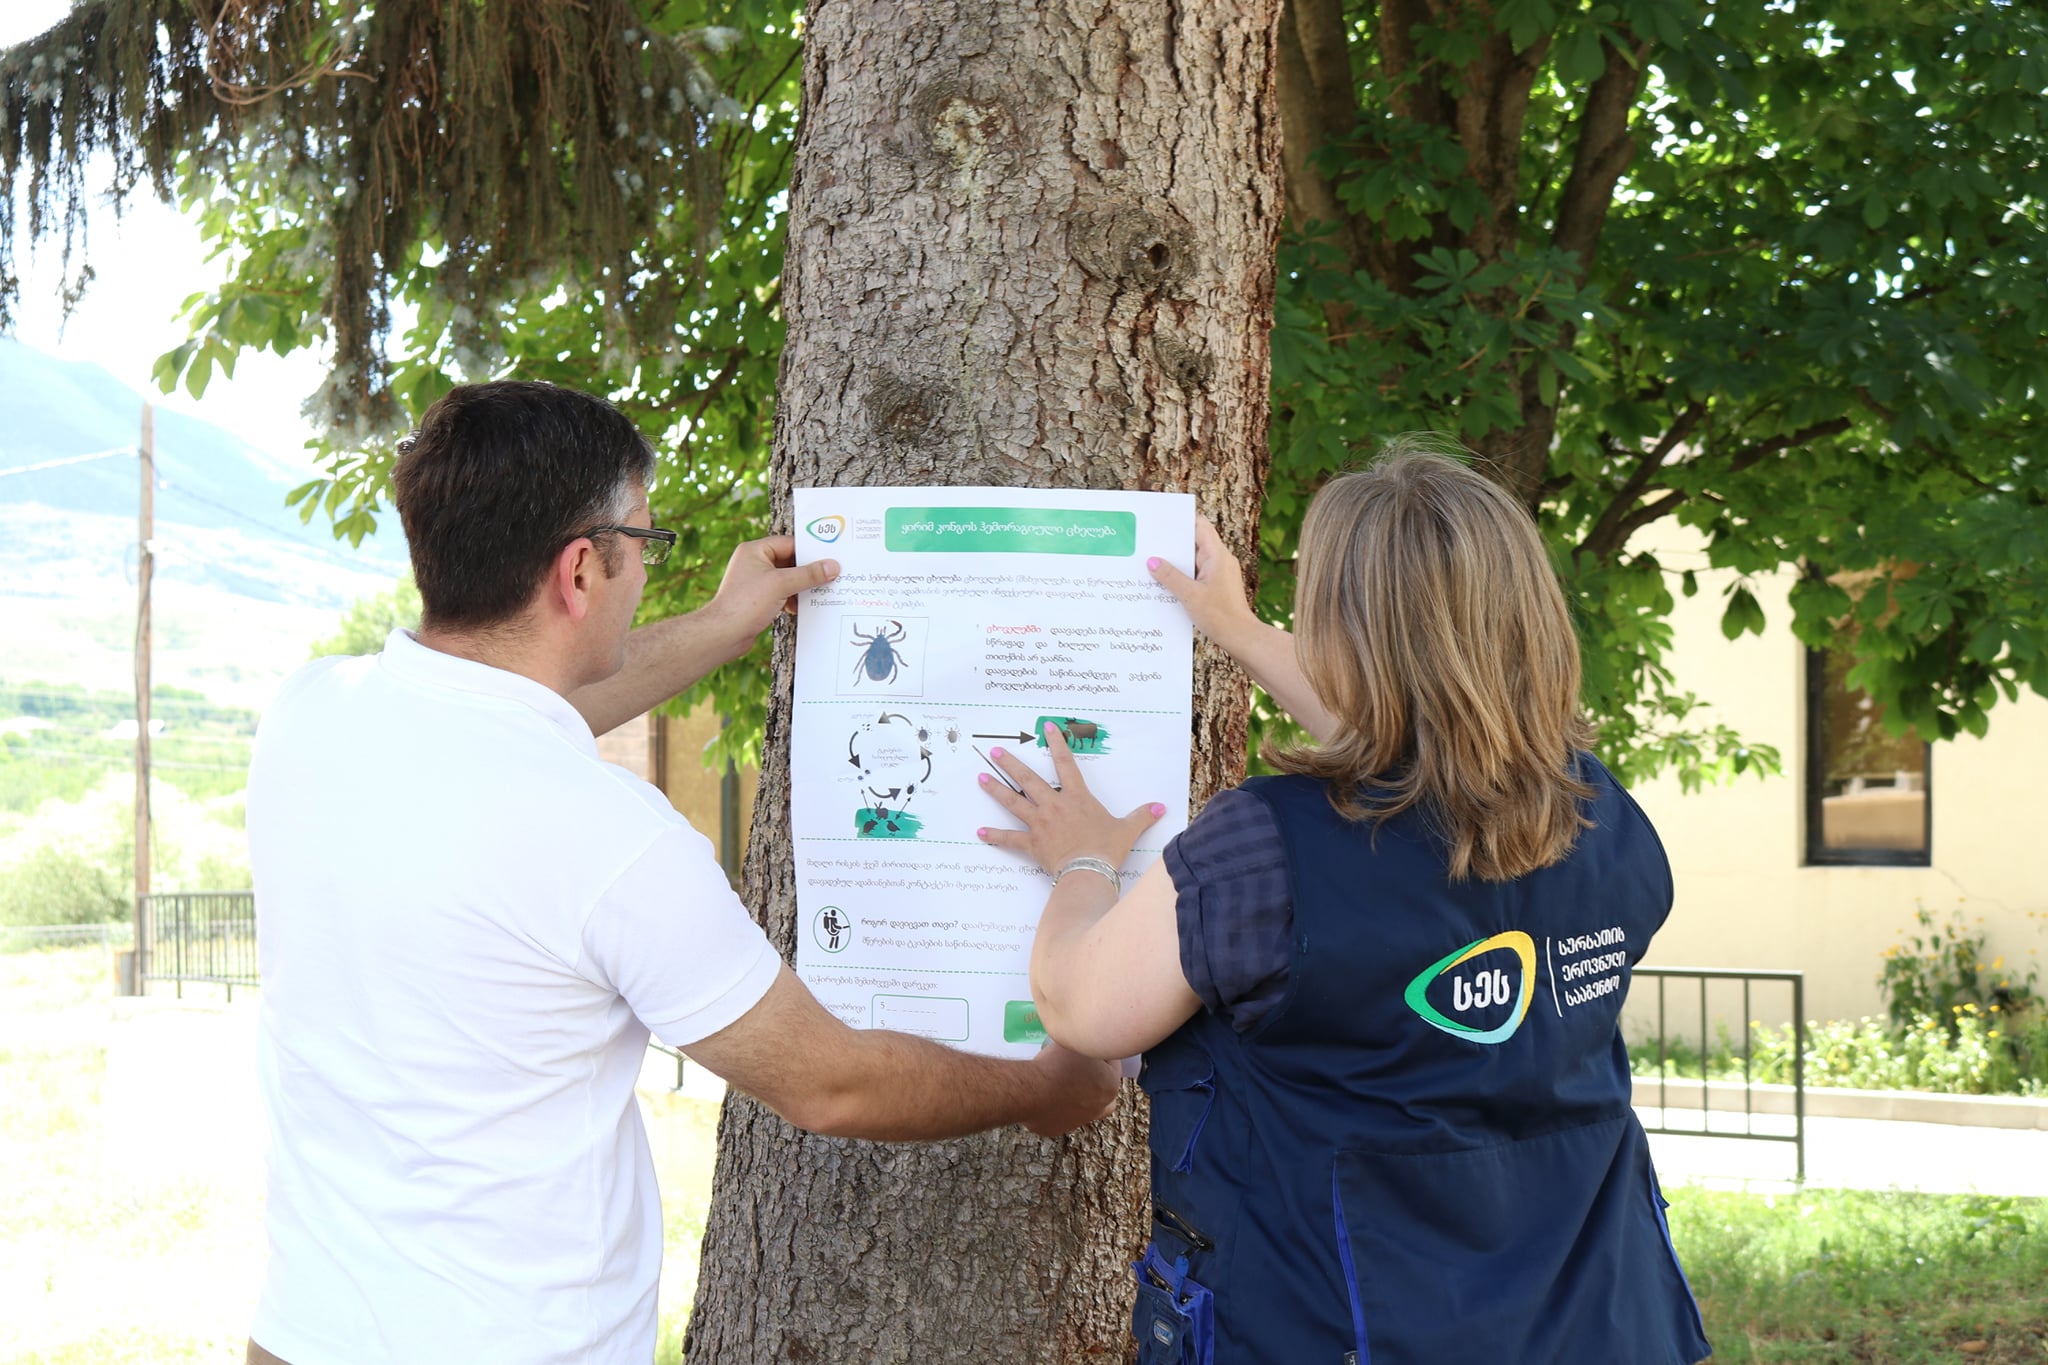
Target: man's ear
(570,578)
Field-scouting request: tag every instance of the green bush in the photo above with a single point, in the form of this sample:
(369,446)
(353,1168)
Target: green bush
(58,883)
(73,862)
(1940,971)
(1976,1052)
(1972,1053)
(1960,1022)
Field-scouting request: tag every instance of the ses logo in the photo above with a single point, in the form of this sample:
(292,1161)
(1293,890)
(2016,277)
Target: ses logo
(827,529)
(1478,988)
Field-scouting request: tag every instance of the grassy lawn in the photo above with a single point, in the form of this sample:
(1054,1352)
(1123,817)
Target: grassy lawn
(1835,1275)
(132,1236)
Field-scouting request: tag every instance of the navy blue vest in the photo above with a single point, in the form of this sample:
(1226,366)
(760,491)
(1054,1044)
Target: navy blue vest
(1425,1154)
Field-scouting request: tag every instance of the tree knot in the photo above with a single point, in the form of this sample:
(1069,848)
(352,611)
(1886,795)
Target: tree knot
(1126,244)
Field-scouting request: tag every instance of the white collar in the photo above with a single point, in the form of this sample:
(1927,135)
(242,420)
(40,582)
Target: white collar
(424,666)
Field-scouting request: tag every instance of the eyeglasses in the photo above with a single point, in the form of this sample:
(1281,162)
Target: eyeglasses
(655,543)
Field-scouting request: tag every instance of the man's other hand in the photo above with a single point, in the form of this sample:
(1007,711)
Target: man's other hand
(794,1056)
(1079,1090)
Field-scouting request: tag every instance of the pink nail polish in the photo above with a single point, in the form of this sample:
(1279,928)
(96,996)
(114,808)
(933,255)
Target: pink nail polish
(1152,563)
(982,778)
(981,833)
(995,751)
(1157,810)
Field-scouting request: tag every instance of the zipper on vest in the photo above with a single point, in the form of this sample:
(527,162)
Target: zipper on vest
(1361,1355)
(1180,1227)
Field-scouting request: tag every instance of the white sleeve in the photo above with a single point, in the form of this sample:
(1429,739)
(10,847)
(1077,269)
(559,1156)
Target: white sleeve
(674,941)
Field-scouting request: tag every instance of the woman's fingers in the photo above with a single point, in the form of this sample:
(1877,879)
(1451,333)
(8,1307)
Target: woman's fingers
(1208,547)
(1019,839)
(1172,579)
(1005,796)
(1034,787)
(1143,818)
(1063,766)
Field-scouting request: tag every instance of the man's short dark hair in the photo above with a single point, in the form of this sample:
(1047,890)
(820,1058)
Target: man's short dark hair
(498,478)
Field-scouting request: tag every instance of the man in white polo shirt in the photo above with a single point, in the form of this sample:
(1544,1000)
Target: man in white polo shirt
(469,925)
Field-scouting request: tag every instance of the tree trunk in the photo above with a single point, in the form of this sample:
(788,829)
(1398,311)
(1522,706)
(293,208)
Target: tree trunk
(1028,246)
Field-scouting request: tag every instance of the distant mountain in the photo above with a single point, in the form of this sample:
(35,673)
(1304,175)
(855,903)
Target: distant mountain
(211,486)
(244,587)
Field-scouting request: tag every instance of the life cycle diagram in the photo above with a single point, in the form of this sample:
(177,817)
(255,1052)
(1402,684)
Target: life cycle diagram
(895,757)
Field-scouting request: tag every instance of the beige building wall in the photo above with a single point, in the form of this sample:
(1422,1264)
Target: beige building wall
(668,751)
(1744,897)
(694,787)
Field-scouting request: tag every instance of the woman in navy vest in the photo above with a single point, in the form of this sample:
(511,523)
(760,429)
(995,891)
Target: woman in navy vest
(1378,997)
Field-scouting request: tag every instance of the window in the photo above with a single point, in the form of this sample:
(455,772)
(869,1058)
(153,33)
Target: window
(1867,795)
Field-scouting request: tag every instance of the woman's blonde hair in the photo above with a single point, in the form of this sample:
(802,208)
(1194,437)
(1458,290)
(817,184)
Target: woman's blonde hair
(1430,624)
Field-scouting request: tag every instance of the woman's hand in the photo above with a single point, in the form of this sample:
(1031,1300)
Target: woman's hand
(1214,597)
(1065,822)
(1215,601)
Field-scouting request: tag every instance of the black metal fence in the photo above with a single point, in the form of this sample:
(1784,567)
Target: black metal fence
(1726,1104)
(199,936)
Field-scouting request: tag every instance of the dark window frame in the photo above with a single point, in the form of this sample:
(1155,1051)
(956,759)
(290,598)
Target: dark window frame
(1817,853)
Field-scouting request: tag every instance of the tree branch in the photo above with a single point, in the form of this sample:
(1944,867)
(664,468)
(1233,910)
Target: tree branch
(1741,460)
(1311,197)
(1326,44)
(1604,149)
(1602,541)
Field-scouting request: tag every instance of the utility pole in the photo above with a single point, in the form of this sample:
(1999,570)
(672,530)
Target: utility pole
(144,566)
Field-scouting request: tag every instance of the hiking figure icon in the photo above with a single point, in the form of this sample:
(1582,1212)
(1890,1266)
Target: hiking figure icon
(832,929)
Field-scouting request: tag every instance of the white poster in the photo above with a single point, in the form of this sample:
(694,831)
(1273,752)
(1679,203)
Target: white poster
(963,620)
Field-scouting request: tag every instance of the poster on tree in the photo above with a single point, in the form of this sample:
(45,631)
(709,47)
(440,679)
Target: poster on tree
(964,621)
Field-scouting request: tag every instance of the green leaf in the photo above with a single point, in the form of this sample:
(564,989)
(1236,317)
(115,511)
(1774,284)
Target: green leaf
(1579,58)
(1986,642)
(1743,613)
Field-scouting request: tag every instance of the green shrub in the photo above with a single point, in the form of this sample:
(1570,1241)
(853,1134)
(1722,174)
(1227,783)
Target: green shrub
(1938,972)
(1978,1052)
(58,883)
(1958,1024)
(73,862)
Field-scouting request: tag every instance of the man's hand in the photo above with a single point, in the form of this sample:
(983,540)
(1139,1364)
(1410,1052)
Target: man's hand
(760,580)
(1079,1090)
(664,658)
(790,1053)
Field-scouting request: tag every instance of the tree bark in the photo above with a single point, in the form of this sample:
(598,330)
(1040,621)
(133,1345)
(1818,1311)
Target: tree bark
(1028,246)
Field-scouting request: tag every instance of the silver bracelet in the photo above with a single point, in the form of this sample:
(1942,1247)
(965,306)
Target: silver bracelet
(1099,865)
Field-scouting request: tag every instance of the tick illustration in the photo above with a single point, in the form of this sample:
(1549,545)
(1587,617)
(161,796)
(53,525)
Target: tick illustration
(880,659)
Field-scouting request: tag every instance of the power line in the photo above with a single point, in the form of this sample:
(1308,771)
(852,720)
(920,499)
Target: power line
(325,551)
(67,460)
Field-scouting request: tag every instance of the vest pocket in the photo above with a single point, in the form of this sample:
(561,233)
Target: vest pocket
(1174,1318)
(1541,1251)
(1181,1086)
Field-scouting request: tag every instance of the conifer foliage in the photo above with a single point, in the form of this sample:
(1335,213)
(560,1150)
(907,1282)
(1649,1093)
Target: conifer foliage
(522,142)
